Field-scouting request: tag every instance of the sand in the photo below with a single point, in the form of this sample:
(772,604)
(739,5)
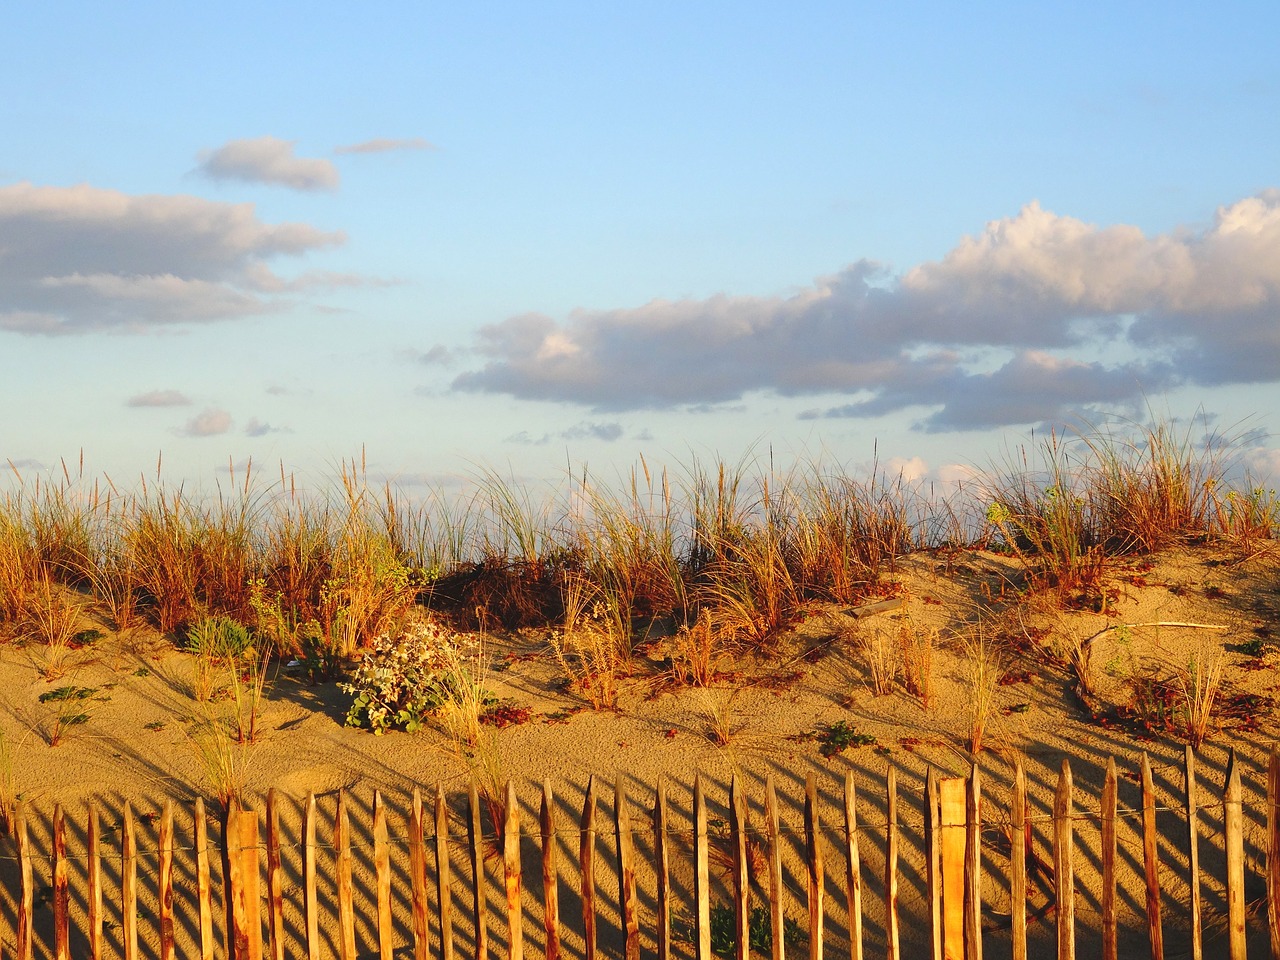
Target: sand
(137,744)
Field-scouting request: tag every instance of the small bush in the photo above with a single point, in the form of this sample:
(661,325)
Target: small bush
(406,675)
(219,638)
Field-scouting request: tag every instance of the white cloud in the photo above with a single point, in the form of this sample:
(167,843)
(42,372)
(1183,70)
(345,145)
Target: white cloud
(268,160)
(1037,317)
(207,423)
(384,145)
(77,259)
(159,398)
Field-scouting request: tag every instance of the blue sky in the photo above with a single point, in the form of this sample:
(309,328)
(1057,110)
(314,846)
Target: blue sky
(529,235)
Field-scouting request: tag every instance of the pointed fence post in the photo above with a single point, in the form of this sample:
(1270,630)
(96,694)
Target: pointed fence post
(814,860)
(550,880)
(1151,861)
(1233,815)
(1064,864)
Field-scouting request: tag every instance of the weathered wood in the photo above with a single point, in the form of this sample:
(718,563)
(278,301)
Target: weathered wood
(129,884)
(512,873)
(61,927)
(933,861)
(479,893)
(418,879)
(1018,863)
(1193,853)
(741,882)
(1151,861)
(444,888)
(628,907)
(973,867)
(250,899)
(26,888)
(275,879)
(701,873)
(344,867)
(231,883)
(587,864)
(952,814)
(1064,864)
(310,895)
(662,868)
(1233,809)
(853,867)
(550,879)
(382,877)
(814,862)
(891,865)
(1110,927)
(776,919)
(94,841)
(1273,852)
(164,882)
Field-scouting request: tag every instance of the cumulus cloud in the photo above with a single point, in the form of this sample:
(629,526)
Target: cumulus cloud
(1007,328)
(208,423)
(78,259)
(268,160)
(159,398)
(385,145)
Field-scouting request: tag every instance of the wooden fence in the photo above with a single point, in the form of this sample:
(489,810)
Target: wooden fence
(442,902)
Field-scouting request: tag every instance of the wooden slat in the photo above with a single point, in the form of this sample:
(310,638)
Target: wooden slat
(275,879)
(952,817)
(701,873)
(249,901)
(662,867)
(628,905)
(1273,852)
(418,879)
(95,883)
(343,867)
(231,883)
(61,927)
(1110,931)
(129,884)
(741,882)
(26,888)
(1232,799)
(550,878)
(1018,863)
(382,877)
(853,867)
(814,862)
(444,888)
(204,882)
(511,873)
(777,925)
(164,883)
(1151,861)
(310,895)
(479,898)
(891,865)
(1064,864)
(932,861)
(1193,853)
(973,866)
(587,865)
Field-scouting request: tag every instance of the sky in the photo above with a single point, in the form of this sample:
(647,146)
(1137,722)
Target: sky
(446,237)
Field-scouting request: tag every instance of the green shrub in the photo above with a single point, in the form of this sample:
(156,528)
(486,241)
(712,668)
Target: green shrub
(219,638)
(407,675)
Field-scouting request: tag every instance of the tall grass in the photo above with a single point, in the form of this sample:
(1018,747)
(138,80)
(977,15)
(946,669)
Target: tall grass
(730,551)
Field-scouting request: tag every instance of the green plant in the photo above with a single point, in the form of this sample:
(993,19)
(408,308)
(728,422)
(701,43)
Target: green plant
(406,675)
(1200,683)
(724,931)
(68,705)
(219,638)
(840,736)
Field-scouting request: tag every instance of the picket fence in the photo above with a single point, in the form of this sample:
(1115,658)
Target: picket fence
(253,911)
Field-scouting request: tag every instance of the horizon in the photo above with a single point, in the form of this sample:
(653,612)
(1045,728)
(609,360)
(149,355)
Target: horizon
(575,238)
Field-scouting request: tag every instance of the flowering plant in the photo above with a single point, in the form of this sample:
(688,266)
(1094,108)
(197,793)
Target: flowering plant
(406,675)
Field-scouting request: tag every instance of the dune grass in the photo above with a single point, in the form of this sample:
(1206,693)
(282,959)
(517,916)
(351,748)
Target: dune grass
(712,556)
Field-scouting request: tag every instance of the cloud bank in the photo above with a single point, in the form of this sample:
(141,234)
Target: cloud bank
(1007,328)
(268,160)
(80,259)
